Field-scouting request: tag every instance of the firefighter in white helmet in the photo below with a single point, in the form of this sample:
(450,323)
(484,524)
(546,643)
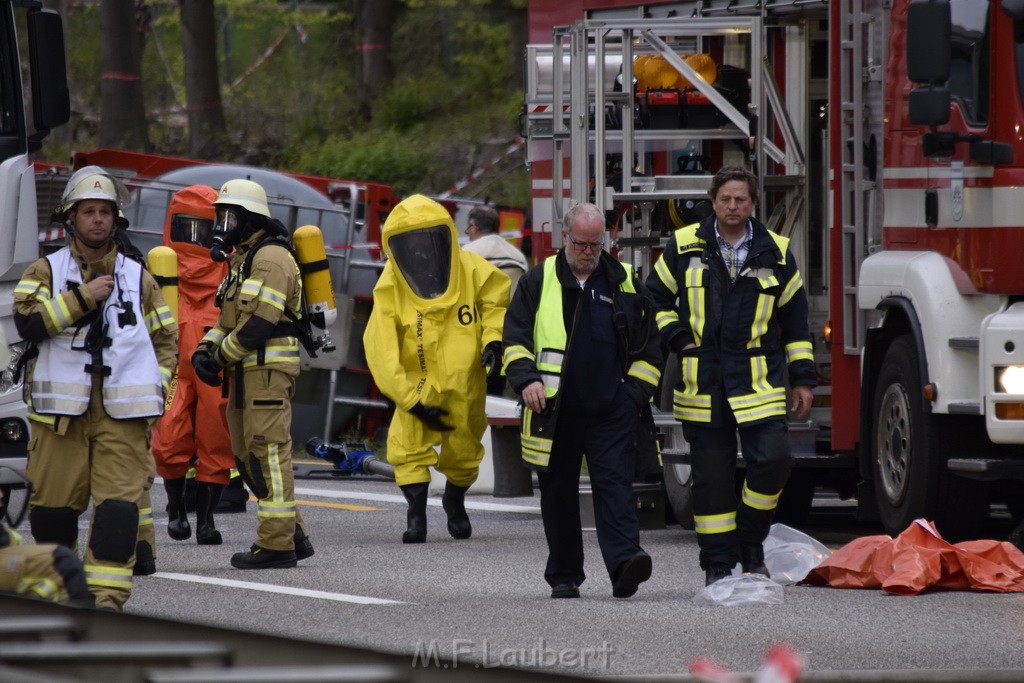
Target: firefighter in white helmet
(254,345)
(432,341)
(104,348)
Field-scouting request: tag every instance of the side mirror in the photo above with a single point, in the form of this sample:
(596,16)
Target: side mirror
(929,41)
(51,102)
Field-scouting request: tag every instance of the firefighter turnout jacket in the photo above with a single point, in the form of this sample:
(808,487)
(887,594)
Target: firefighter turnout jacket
(540,330)
(256,343)
(48,572)
(745,331)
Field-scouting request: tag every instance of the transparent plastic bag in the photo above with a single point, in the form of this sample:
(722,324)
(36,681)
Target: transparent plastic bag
(790,555)
(744,589)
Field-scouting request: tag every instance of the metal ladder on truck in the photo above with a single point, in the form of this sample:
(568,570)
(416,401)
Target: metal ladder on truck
(591,44)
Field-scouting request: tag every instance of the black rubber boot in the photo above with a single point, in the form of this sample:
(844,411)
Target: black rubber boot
(145,563)
(303,546)
(752,559)
(207,495)
(234,497)
(416,496)
(454,504)
(178,527)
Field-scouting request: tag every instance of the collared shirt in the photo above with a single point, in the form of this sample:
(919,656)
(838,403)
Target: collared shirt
(734,256)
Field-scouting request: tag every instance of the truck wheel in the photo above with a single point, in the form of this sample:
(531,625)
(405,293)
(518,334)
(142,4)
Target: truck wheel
(909,449)
(678,480)
(677,476)
(796,499)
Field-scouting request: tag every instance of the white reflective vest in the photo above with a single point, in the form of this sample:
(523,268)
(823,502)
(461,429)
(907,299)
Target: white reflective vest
(124,356)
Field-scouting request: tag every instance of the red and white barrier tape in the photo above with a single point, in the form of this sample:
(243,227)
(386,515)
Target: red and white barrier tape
(514,147)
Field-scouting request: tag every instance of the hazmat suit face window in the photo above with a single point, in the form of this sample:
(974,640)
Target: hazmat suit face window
(191,230)
(424,258)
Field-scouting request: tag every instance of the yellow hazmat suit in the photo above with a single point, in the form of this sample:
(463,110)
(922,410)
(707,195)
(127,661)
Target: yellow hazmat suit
(436,308)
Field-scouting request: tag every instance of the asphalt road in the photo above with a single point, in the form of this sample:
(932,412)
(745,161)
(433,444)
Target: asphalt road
(484,601)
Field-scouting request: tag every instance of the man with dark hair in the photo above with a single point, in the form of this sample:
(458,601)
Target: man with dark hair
(105,348)
(731,304)
(485,240)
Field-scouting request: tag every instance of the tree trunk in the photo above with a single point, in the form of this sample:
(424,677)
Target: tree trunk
(374,20)
(207,131)
(122,110)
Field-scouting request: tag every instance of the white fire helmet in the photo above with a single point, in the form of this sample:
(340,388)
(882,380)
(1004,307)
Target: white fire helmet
(91,182)
(246,194)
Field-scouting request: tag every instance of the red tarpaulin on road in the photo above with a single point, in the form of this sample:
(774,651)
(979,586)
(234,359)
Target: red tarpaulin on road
(920,559)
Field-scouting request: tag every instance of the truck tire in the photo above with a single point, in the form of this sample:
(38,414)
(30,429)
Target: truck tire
(909,452)
(678,477)
(796,500)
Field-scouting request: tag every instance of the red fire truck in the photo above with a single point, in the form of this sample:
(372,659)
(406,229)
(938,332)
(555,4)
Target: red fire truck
(888,138)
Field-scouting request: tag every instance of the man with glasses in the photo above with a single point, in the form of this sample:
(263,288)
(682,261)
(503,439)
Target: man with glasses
(582,349)
(731,304)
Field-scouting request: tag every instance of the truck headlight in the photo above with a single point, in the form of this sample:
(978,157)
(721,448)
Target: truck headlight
(7,383)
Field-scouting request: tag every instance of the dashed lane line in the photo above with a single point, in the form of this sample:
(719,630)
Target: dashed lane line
(392,498)
(280,590)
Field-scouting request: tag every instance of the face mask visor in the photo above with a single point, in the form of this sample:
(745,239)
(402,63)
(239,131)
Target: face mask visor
(424,258)
(228,220)
(192,230)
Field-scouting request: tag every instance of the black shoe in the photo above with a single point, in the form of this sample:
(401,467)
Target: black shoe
(454,504)
(630,574)
(752,559)
(716,572)
(207,496)
(178,527)
(234,497)
(565,590)
(303,547)
(145,563)
(261,558)
(416,520)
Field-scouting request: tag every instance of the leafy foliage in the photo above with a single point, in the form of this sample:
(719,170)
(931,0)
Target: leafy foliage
(288,74)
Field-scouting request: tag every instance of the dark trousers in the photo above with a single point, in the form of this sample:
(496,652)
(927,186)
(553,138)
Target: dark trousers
(607,442)
(765,448)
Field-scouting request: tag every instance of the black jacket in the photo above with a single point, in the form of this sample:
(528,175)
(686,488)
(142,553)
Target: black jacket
(748,333)
(637,331)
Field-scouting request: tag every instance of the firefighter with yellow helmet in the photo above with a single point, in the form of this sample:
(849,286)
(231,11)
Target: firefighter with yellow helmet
(104,349)
(254,345)
(431,342)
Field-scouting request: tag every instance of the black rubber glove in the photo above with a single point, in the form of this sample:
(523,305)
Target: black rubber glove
(431,416)
(490,360)
(207,368)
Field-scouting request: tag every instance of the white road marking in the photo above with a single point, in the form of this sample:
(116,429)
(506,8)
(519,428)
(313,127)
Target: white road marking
(280,590)
(393,498)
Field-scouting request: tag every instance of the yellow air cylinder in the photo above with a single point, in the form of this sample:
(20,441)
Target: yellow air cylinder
(163,265)
(316,276)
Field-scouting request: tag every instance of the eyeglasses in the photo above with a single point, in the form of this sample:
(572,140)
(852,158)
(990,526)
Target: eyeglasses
(583,246)
(469,228)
